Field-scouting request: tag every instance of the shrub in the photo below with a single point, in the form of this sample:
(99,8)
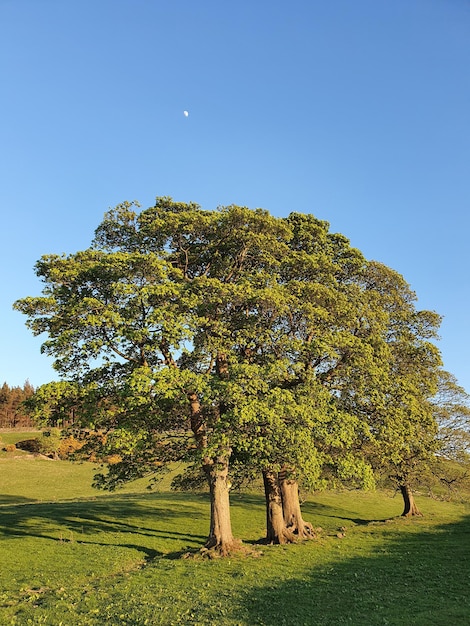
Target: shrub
(49,442)
(68,446)
(29,445)
(113,459)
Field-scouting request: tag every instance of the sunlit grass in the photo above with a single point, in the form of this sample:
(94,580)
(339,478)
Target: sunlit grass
(14,435)
(74,556)
(28,479)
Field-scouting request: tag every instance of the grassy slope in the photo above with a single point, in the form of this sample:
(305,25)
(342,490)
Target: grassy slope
(74,557)
(14,435)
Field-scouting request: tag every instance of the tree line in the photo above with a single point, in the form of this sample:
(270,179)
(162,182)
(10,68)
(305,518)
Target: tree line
(13,413)
(244,345)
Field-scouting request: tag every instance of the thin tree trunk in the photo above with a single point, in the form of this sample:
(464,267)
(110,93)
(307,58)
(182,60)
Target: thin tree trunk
(291,508)
(220,535)
(276,531)
(410,507)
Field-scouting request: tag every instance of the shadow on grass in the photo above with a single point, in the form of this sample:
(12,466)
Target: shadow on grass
(418,578)
(11,500)
(321,513)
(109,520)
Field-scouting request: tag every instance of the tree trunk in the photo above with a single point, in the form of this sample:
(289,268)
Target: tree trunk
(220,538)
(291,508)
(276,531)
(409,501)
(220,535)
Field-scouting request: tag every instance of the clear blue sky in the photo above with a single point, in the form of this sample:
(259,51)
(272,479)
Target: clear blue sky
(355,111)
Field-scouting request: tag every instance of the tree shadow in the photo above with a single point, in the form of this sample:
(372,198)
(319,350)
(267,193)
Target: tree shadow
(319,511)
(319,514)
(360,521)
(13,500)
(420,578)
(150,519)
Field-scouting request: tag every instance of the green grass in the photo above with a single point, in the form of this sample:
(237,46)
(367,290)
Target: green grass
(13,436)
(27,479)
(76,557)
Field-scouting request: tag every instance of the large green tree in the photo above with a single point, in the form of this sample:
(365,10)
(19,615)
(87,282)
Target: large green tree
(145,321)
(302,337)
(213,336)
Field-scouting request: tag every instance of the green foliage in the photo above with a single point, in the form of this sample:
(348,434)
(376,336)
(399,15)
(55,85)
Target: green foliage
(192,336)
(451,407)
(50,441)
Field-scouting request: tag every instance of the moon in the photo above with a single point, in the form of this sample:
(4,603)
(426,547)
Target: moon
(185,113)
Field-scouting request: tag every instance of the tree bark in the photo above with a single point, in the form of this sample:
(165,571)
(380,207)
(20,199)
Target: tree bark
(216,468)
(410,507)
(276,531)
(291,508)
(220,535)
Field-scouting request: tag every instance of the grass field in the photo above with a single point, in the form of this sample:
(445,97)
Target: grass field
(72,556)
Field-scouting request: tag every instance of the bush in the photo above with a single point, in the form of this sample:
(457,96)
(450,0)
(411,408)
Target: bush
(50,441)
(68,447)
(29,445)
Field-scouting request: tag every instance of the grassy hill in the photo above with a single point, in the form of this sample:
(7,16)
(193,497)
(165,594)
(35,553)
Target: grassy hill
(76,557)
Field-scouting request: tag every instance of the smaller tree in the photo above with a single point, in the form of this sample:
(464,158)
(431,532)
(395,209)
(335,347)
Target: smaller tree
(391,395)
(404,426)
(54,404)
(451,407)
(276,437)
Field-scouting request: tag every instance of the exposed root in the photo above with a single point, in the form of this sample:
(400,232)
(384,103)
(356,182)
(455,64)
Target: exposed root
(288,536)
(302,531)
(307,531)
(412,513)
(291,534)
(234,549)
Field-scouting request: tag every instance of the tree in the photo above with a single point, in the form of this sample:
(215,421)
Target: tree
(12,409)
(277,431)
(54,404)
(303,333)
(451,408)
(229,336)
(402,437)
(140,321)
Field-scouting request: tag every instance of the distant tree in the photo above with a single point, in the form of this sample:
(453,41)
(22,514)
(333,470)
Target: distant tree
(4,393)
(54,404)
(12,411)
(451,408)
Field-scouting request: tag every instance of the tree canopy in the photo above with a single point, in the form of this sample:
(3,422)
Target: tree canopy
(239,341)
